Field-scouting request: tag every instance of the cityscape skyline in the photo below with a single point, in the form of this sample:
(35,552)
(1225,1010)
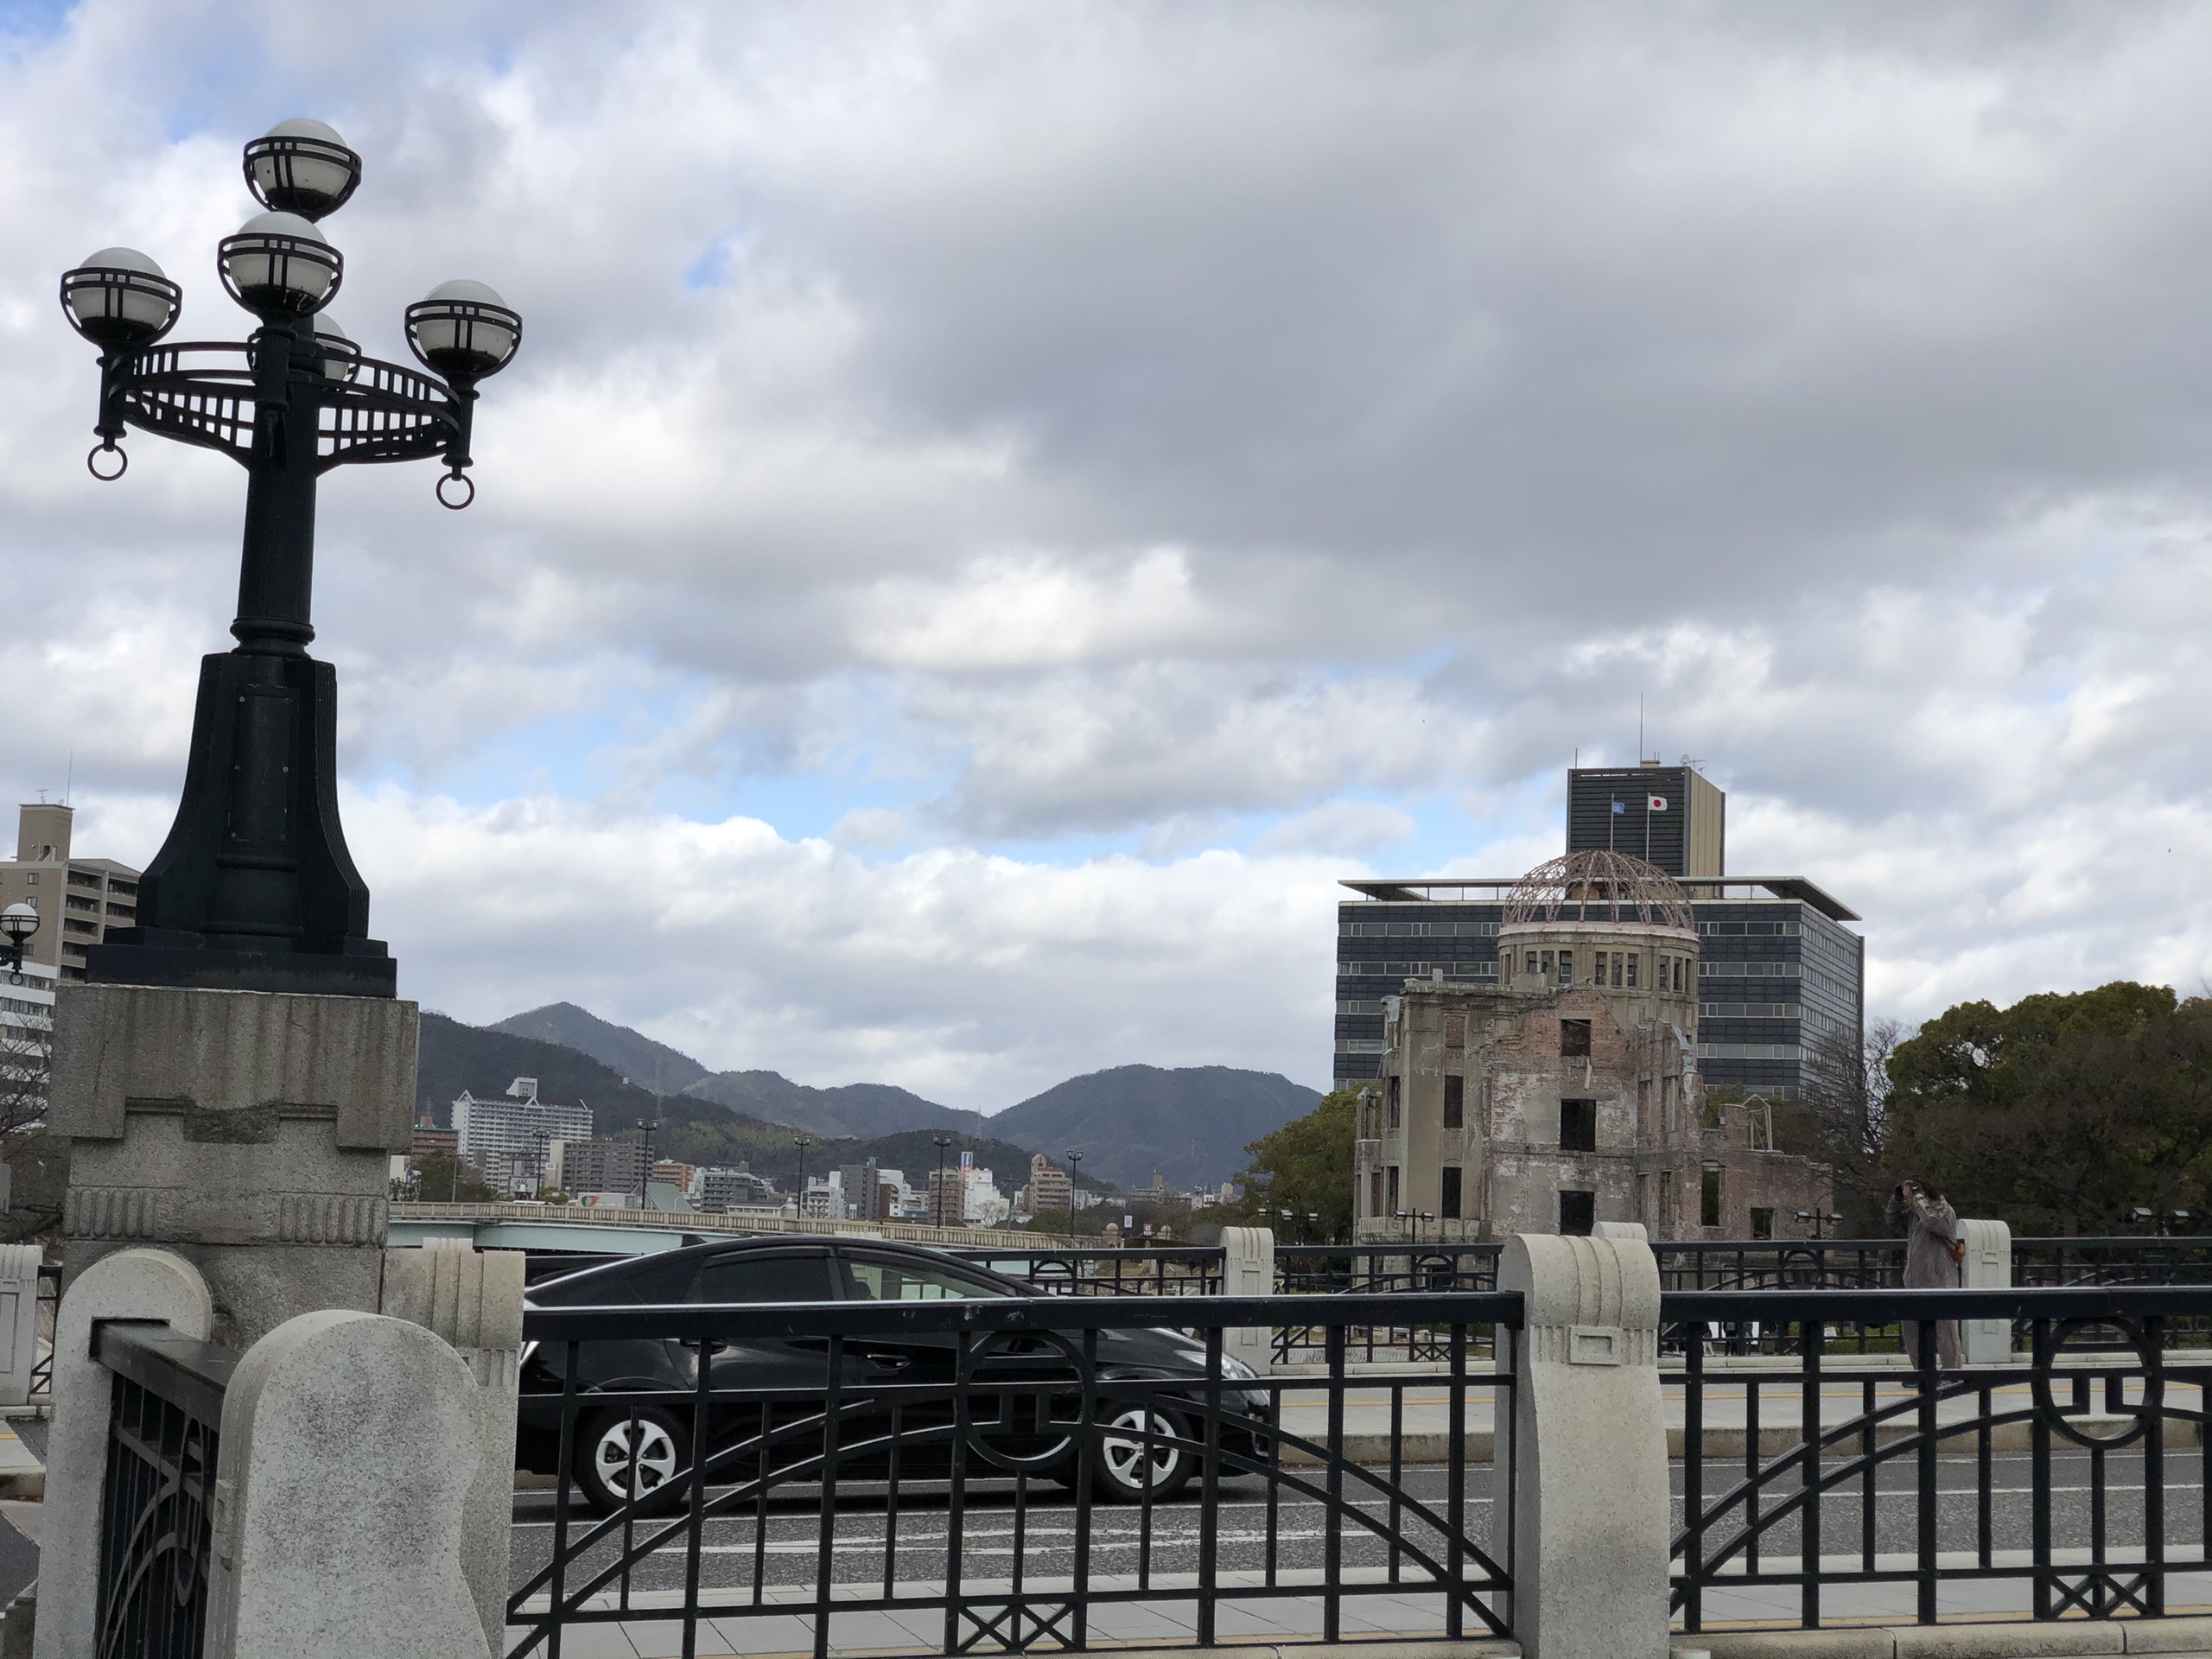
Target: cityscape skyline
(991,533)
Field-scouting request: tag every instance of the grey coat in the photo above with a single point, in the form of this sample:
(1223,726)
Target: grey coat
(1930,1224)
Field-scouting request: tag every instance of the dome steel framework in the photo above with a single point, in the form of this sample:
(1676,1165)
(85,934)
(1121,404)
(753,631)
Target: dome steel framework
(1600,886)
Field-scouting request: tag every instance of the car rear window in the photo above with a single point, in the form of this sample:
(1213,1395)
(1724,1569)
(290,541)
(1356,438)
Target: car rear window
(752,1276)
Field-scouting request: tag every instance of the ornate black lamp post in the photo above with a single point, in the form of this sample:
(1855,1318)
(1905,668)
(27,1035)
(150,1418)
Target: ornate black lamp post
(254,889)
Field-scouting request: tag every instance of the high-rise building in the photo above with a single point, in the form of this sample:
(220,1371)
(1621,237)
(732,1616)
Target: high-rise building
(1671,816)
(78,899)
(604,1164)
(863,1192)
(948,1197)
(1052,1190)
(1780,978)
(510,1142)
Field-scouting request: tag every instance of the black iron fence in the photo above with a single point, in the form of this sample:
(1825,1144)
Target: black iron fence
(49,1305)
(2074,1480)
(157,1503)
(1008,1474)
(1163,1270)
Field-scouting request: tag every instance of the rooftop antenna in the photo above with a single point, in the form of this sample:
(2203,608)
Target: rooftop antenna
(69,780)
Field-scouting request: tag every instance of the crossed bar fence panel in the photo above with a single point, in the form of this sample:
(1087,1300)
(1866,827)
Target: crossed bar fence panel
(2102,1380)
(854,1459)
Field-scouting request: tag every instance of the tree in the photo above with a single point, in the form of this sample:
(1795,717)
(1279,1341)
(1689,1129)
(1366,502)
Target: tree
(37,1164)
(2063,1113)
(446,1178)
(1842,1119)
(1306,1167)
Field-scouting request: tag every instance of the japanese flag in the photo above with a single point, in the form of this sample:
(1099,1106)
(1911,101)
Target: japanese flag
(1655,803)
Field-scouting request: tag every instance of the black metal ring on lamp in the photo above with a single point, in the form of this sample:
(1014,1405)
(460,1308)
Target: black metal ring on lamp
(456,476)
(109,447)
(285,194)
(278,297)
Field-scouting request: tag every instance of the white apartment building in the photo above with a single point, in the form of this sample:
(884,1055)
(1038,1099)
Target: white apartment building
(26,1027)
(78,899)
(503,1140)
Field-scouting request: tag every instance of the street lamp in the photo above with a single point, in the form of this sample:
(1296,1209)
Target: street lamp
(254,889)
(645,1179)
(1075,1168)
(801,1143)
(17,923)
(937,1196)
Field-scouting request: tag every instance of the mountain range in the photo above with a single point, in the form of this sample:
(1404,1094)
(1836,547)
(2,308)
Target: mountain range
(1186,1125)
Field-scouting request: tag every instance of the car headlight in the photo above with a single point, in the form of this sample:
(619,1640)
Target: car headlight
(1236,1369)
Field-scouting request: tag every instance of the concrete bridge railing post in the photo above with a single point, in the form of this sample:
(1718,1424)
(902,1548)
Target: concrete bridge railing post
(1591,1520)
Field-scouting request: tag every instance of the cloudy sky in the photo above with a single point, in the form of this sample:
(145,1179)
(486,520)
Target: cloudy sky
(1000,506)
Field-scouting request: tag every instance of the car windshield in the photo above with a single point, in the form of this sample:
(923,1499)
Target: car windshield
(887,1279)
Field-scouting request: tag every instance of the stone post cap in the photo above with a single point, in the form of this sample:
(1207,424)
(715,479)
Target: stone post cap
(233,1056)
(1617,1230)
(1567,1281)
(1247,1244)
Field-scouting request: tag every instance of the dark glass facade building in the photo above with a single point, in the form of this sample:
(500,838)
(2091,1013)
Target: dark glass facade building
(1778,972)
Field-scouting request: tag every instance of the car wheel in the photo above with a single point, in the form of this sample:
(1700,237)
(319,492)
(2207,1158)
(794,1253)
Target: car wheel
(1125,1473)
(617,1448)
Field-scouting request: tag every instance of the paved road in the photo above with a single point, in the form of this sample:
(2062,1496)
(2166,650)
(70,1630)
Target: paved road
(1119,1538)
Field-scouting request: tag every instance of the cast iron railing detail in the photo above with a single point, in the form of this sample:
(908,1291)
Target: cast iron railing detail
(2099,1384)
(50,1304)
(889,1490)
(203,392)
(158,1498)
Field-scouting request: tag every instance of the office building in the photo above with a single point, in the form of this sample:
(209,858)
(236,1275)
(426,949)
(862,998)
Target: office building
(78,899)
(718,1192)
(862,1188)
(1051,1190)
(948,1197)
(1781,977)
(1670,816)
(609,1164)
(1565,1090)
(510,1141)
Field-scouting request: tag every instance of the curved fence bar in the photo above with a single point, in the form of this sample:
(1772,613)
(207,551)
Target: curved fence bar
(1019,1474)
(156,1508)
(2070,1480)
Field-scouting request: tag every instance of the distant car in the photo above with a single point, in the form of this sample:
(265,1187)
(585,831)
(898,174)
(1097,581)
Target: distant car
(788,1269)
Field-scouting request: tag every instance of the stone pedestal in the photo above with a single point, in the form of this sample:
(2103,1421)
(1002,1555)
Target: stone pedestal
(1590,1526)
(473,1300)
(1987,1266)
(1247,1269)
(249,1132)
(349,1446)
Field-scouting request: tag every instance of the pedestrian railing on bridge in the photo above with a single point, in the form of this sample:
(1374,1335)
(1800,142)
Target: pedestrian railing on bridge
(950,1468)
(1847,1475)
(157,1503)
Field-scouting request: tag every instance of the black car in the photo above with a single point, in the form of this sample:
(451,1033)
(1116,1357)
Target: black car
(800,1270)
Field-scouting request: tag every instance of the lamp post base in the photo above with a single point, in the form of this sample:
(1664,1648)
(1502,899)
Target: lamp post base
(180,959)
